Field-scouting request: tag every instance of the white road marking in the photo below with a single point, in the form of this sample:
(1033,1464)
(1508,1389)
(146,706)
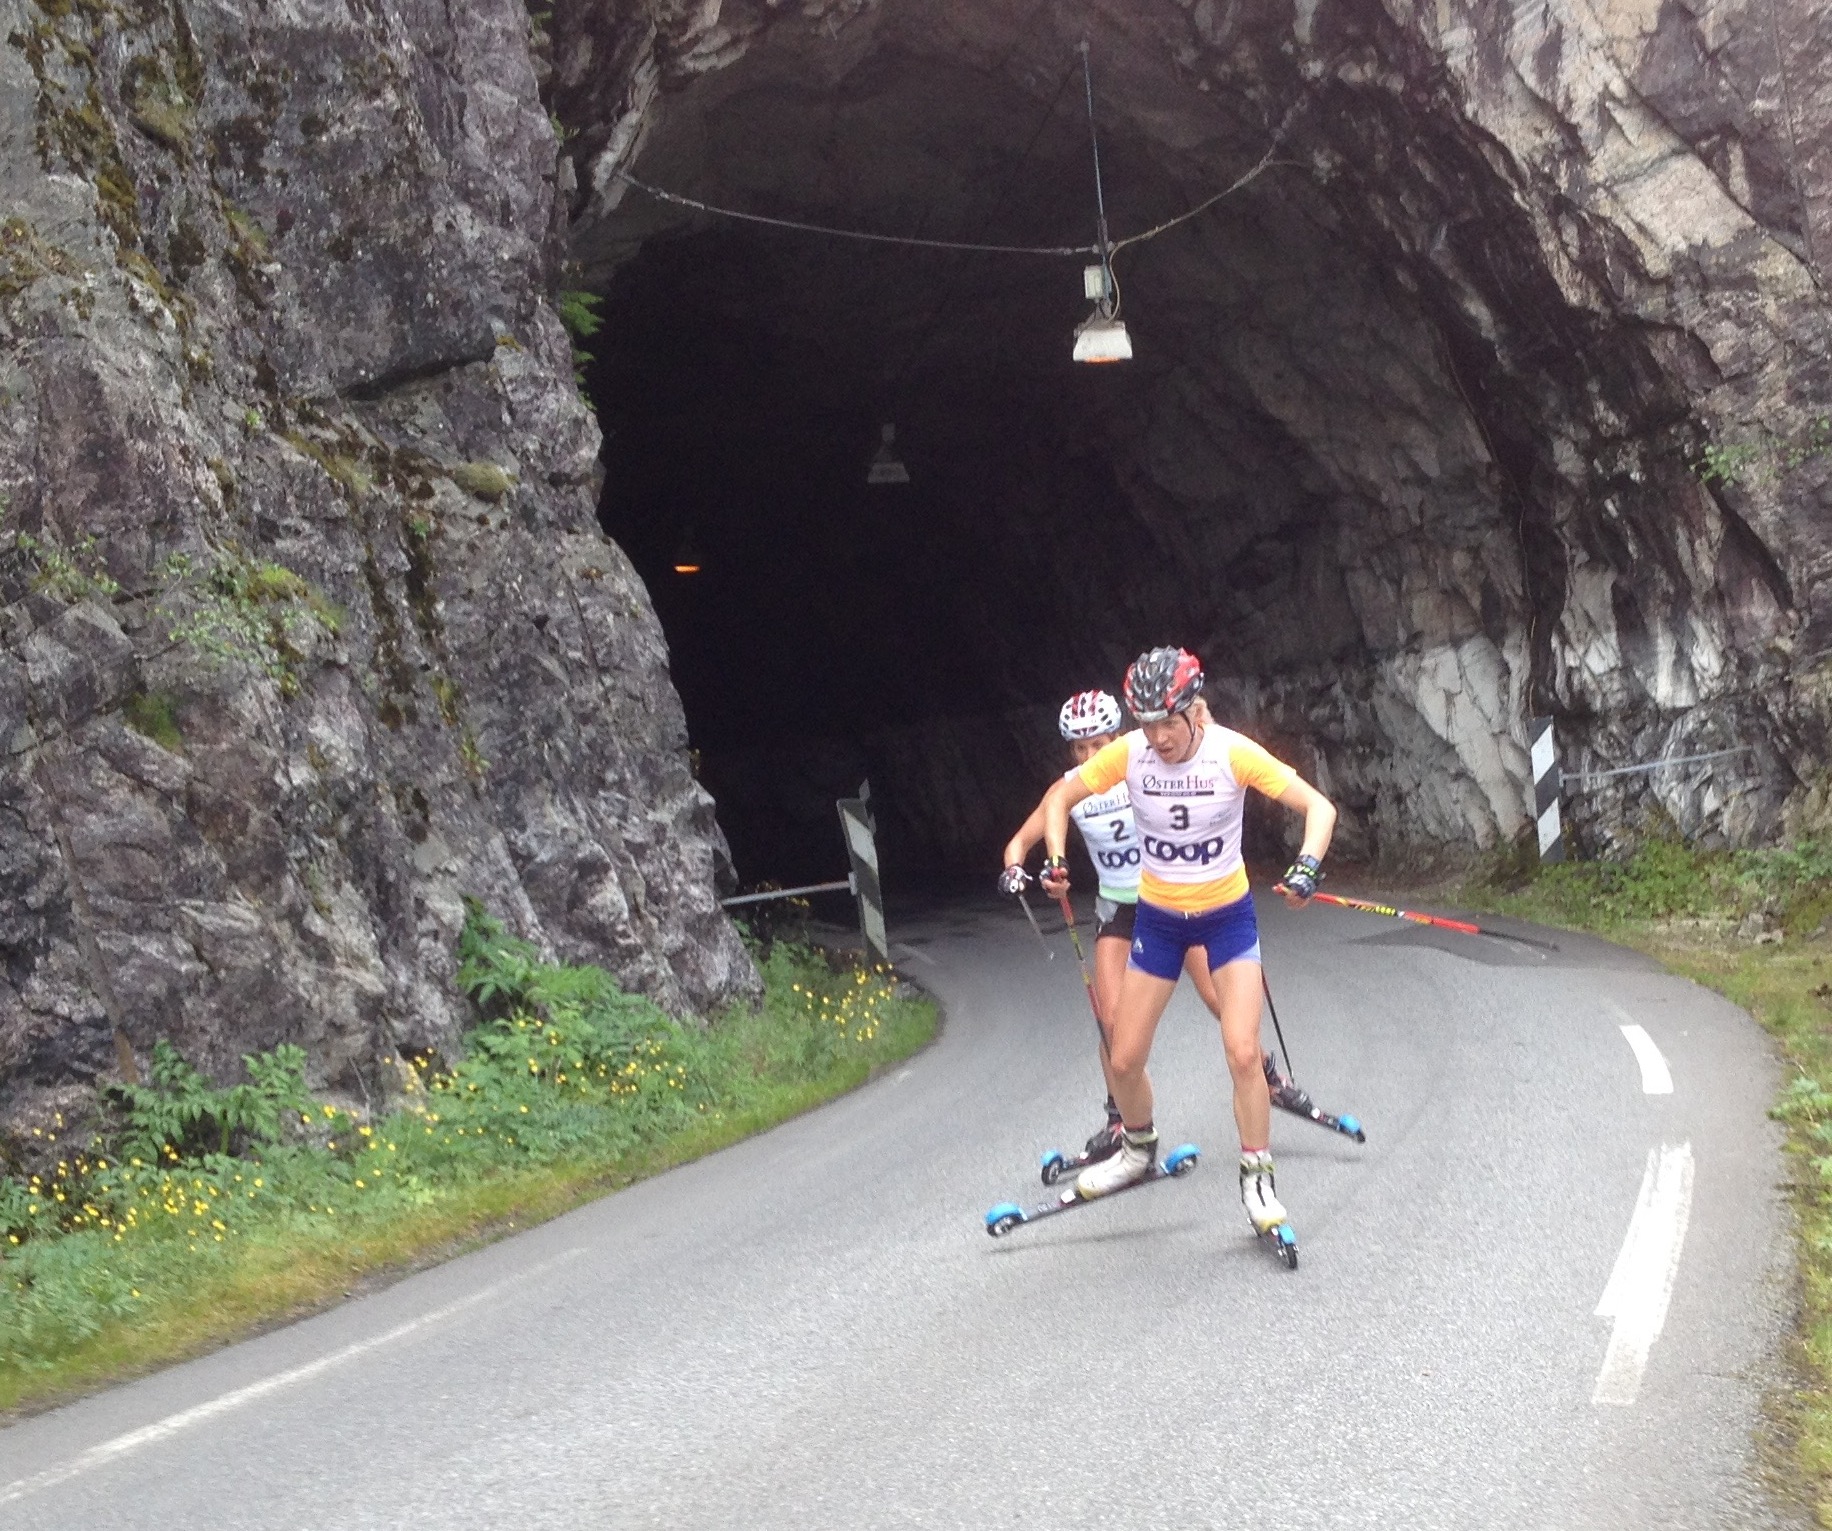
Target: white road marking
(1656,1079)
(159,1430)
(1641,1285)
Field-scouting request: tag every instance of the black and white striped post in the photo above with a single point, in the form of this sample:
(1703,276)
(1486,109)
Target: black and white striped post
(862,848)
(1546,786)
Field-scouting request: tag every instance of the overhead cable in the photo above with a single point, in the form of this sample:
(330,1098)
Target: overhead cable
(833,233)
(1266,162)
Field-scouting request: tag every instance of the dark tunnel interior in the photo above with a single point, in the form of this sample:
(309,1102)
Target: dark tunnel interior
(742,381)
(1369,460)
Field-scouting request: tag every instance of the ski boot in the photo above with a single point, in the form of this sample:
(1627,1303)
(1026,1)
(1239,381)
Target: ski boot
(1288,1097)
(1102,1145)
(1264,1210)
(1134,1162)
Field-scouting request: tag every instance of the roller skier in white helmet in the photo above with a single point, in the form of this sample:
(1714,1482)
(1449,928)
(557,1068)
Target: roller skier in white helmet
(1089,720)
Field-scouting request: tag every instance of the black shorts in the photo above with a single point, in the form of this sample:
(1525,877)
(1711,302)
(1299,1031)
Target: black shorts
(1114,919)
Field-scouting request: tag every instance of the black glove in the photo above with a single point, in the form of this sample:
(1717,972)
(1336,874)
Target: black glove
(1302,877)
(1054,877)
(1014,879)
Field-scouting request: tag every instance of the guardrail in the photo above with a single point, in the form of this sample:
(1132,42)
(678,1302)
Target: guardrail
(1549,782)
(861,835)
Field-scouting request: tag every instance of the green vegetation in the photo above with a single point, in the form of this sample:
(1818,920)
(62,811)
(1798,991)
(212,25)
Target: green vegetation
(69,574)
(1754,925)
(1766,460)
(25,258)
(579,313)
(242,611)
(193,1213)
(483,479)
(155,714)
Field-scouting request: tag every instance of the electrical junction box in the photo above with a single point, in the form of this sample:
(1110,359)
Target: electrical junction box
(1094,284)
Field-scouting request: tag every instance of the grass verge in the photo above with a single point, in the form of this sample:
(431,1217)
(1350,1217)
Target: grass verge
(1752,925)
(194,1215)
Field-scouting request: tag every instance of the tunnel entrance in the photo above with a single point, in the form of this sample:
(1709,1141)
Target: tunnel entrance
(1370,461)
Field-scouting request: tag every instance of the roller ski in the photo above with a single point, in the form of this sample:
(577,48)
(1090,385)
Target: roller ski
(1001,1219)
(1288,1097)
(1264,1209)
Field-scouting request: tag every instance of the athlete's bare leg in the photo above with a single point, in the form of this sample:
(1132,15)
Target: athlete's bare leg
(1237,987)
(1135,1022)
(1196,964)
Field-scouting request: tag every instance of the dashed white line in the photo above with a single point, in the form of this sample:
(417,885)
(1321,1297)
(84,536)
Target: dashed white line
(121,1445)
(1641,1285)
(1656,1078)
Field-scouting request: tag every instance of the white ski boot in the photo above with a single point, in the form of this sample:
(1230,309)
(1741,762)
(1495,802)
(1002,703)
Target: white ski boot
(1257,1194)
(1138,1152)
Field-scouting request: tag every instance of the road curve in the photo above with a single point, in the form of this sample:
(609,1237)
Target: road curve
(811,1330)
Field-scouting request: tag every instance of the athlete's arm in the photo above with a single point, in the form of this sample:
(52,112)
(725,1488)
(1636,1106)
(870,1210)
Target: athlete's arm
(1055,809)
(1029,833)
(1319,825)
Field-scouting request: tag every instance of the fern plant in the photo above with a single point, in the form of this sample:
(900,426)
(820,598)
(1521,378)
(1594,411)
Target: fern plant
(181,1115)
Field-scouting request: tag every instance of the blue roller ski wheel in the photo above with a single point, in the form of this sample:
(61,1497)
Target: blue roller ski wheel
(1001,1219)
(1054,1166)
(1351,1125)
(1181,1160)
(1288,1246)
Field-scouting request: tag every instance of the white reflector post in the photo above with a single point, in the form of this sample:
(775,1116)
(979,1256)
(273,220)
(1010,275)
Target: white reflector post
(1102,340)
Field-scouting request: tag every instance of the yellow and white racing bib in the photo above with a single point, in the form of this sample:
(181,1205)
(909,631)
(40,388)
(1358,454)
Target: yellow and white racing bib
(1188,816)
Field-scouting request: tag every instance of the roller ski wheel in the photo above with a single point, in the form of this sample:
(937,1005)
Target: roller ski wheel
(1288,1097)
(1007,1215)
(1283,1243)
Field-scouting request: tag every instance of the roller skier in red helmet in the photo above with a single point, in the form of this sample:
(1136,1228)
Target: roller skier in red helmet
(1088,721)
(1188,778)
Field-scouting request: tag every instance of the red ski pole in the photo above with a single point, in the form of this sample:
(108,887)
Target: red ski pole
(1087,978)
(1464,927)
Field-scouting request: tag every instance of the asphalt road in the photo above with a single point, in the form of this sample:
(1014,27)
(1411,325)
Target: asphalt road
(812,1330)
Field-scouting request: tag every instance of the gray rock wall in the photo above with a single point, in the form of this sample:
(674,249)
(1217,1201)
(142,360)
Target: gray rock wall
(313,632)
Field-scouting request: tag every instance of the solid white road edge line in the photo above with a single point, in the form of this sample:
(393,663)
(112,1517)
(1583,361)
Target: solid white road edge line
(1641,1285)
(121,1445)
(1656,1078)
(912,953)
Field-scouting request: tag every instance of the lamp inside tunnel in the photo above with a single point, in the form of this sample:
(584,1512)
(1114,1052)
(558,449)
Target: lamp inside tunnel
(886,467)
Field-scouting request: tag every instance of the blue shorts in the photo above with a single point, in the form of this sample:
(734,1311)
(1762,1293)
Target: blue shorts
(1161,936)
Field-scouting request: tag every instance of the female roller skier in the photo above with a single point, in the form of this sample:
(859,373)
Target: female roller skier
(1089,720)
(1188,781)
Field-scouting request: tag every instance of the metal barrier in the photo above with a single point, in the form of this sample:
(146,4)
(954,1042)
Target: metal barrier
(1549,781)
(861,834)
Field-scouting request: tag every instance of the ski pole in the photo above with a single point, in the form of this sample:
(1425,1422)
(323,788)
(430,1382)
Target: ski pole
(1465,927)
(1068,919)
(1278,1030)
(1034,925)
(1087,978)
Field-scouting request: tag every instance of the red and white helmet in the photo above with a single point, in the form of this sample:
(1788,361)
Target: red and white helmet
(1163,682)
(1088,715)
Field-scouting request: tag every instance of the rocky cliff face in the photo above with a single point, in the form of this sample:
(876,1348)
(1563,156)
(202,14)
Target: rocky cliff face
(309,630)
(1411,448)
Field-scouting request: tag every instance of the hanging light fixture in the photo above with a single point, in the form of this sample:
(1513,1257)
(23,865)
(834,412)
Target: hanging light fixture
(687,556)
(886,467)
(1101,337)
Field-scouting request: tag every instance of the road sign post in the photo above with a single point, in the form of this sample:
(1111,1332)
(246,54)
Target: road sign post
(862,848)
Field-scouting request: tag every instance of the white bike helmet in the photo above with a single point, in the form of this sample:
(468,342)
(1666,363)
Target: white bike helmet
(1089,714)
